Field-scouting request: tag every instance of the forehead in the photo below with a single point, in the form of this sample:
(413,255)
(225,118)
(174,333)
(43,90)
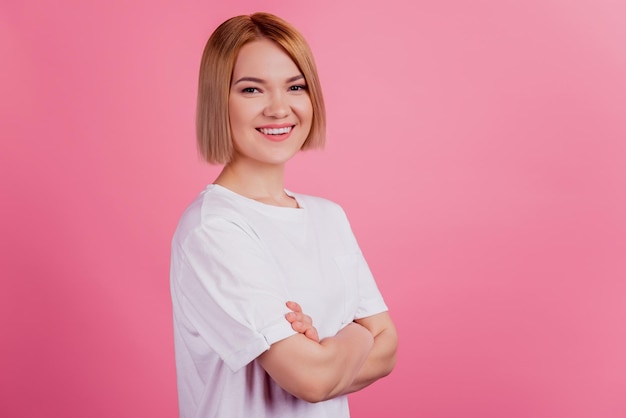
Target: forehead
(264,59)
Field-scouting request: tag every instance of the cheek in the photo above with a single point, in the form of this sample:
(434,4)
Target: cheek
(244,111)
(304,109)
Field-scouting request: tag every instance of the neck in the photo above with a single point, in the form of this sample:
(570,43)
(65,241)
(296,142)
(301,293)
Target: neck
(261,182)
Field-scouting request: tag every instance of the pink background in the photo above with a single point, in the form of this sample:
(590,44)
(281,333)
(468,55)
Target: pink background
(478,148)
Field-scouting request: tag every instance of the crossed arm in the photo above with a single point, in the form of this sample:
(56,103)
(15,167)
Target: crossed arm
(314,370)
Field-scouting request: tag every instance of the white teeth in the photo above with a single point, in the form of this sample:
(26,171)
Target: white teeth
(275,131)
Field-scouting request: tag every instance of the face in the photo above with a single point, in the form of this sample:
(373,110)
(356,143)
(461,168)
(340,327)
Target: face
(269,105)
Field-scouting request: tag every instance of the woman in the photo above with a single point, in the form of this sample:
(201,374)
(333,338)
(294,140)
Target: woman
(246,248)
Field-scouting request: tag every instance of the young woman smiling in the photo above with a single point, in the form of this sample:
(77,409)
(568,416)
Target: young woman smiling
(246,250)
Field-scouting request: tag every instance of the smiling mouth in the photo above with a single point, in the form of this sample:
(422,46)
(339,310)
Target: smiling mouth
(275,131)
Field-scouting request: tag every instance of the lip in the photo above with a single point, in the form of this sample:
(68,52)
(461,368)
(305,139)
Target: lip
(276,138)
(276,125)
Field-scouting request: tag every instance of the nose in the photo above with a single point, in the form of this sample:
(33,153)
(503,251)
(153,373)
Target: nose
(277,106)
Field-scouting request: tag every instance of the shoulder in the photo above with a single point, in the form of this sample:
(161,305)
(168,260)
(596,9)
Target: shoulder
(209,208)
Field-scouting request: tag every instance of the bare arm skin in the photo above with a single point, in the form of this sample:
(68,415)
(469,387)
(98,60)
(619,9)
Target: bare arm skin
(317,371)
(380,360)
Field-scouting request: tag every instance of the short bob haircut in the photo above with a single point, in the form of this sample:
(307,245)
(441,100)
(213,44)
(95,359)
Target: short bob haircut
(213,132)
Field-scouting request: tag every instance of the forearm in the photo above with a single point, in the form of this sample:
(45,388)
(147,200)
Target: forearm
(382,358)
(379,363)
(349,351)
(319,371)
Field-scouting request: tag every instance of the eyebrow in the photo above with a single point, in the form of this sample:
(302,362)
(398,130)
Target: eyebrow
(261,81)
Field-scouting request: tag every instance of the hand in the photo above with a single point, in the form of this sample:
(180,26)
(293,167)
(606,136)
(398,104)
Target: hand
(300,322)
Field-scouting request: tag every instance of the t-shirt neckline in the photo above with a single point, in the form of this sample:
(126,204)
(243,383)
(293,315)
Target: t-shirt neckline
(278,211)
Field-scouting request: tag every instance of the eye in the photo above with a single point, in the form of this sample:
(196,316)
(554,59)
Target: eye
(298,87)
(250,90)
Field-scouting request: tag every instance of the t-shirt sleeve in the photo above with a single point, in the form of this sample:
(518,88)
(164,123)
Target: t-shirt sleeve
(230,291)
(370,301)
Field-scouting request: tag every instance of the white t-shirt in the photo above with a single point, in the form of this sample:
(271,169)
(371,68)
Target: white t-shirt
(235,263)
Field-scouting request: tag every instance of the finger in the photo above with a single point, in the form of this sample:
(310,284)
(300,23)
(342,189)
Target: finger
(298,316)
(306,319)
(299,327)
(291,317)
(294,306)
(302,327)
(311,334)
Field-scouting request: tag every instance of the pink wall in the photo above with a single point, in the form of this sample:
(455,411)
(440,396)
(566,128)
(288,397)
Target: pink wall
(478,148)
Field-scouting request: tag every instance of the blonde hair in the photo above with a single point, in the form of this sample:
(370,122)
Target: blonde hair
(214,138)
